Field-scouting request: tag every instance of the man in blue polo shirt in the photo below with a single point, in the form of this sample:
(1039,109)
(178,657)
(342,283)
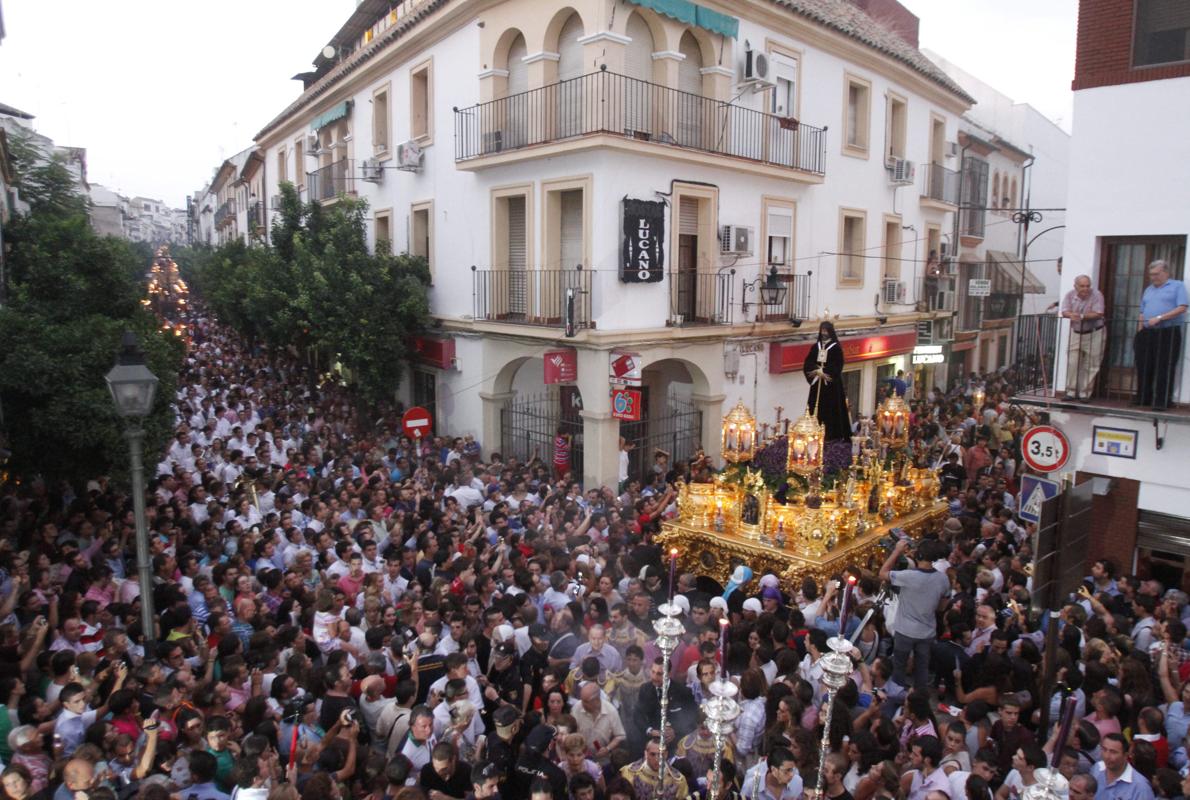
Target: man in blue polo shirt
(1159,337)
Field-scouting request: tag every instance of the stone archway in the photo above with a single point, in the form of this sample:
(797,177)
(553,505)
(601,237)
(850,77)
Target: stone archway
(678,417)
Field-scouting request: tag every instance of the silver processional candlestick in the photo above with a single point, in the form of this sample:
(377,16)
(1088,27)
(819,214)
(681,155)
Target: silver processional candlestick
(669,632)
(721,712)
(836,669)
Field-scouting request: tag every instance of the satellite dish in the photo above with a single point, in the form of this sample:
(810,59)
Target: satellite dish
(328,52)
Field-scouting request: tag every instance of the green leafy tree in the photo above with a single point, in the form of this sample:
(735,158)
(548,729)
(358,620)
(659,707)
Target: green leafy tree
(71,297)
(317,286)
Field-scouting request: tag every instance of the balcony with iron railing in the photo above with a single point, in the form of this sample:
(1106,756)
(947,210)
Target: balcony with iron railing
(1101,370)
(327,183)
(547,298)
(793,304)
(606,103)
(700,298)
(972,222)
(942,185)
(255,215)
(225,213)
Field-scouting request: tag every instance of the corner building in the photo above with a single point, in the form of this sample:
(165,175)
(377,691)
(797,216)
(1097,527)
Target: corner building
(788,161)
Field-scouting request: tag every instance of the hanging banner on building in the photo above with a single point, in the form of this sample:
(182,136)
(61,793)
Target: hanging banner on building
(561,366)
(643,259)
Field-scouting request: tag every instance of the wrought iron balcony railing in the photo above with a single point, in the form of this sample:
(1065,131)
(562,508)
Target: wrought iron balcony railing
(942,184)
(608,103)
(330,181)
(542,297)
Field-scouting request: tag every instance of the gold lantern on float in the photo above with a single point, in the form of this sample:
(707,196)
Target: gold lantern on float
(739,435)
(893,417)
(806,438)
(977,398)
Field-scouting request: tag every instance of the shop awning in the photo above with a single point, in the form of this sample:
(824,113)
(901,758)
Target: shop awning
(333,113)
(693,14)
(1006,274)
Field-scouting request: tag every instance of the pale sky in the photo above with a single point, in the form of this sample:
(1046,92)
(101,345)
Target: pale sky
(161,91)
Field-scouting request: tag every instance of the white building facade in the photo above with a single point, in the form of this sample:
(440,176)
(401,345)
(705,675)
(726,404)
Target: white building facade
(602,186)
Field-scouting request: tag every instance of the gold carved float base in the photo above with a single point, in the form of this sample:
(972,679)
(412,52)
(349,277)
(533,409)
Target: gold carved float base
(704,551)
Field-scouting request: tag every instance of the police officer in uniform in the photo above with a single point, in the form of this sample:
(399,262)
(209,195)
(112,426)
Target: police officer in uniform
(535,762)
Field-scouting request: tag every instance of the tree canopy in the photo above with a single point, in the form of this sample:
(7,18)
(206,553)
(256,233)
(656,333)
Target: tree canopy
(318,288)
(71,296)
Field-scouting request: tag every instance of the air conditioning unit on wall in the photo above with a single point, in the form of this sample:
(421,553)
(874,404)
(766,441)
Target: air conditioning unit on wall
(894,291)
(902,171)
(371,171)
(736,240)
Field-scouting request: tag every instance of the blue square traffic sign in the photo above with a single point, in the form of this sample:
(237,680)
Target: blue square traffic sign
(1034,492)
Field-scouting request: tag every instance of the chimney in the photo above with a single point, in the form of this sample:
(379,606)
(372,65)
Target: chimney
(892,16)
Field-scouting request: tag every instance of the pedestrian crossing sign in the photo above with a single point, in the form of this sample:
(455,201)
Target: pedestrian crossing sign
(1034,492)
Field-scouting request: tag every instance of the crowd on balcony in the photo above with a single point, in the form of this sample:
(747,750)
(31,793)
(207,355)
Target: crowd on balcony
(342,612)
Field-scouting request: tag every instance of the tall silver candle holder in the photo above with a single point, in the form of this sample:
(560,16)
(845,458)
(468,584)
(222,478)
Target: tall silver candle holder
(836,669)
(669,633)
(721,712)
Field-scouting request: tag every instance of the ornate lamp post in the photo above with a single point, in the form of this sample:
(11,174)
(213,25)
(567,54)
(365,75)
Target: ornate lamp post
(669,632)
(133,387)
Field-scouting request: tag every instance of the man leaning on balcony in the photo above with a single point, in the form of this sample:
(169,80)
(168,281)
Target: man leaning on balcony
(1083,306)
(1159,337)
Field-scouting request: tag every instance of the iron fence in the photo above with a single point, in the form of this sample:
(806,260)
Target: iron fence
(796,303)
(700,298)
(529,425)
(674,426)
(544,297)
(1035,345)
(609,103)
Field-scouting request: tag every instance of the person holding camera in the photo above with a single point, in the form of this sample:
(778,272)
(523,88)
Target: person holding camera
(923,589)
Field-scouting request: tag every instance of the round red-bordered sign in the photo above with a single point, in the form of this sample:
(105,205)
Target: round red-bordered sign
(1045,448)
(416,422)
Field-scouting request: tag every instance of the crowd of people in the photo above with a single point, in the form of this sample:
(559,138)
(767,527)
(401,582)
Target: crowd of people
(343,612)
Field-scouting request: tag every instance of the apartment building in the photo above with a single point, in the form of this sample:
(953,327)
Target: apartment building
(1011,223)
(1127,206)
(231,189)
(636,213)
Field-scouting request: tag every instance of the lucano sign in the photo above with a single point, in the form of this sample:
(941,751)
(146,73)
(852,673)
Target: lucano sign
(644,231)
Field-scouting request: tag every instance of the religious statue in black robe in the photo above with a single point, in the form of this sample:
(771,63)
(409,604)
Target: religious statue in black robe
(824,370)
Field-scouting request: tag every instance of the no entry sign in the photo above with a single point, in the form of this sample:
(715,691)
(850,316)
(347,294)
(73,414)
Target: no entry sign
(416,422)
(1045,448)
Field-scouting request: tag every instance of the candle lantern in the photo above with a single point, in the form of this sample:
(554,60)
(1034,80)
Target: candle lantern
(739,435)
(805,445)
(894,421)
(977,398)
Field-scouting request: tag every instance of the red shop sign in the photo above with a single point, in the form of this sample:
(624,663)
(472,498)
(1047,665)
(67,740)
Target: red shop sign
(561,366)
(790,356)
(438,353)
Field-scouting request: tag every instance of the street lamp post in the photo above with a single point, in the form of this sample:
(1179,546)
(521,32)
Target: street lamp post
(133,386)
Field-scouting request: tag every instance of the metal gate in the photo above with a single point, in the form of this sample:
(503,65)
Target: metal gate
(529,423)
(674,426)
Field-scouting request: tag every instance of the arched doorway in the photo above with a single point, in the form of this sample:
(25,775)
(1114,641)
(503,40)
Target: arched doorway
(671,420)
(534,413)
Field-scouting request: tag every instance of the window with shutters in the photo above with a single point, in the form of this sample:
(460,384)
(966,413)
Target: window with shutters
(421,102)
(299,164)
(512,256)
(896,125)
(421,233)
(565,220)
(689,99)
(892,247)
(857,112)
(638,66)
(282,172)
(514,111)
(384,231)
(784,72)
(380,122)
(778,232)
(570,69)
(1161,32)
(851,247)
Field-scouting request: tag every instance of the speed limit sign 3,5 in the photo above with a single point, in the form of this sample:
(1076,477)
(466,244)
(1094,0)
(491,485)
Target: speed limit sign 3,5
(1045,448)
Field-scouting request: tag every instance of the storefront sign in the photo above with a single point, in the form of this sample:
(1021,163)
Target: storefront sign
(979,287)
(928,354)
(626,404)
(624,369)
(438,353)
(643,259)
(1116,442)
(789,356)
(561,366)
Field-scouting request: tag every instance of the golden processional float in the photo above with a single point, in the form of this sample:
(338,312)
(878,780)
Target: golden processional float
(781,506)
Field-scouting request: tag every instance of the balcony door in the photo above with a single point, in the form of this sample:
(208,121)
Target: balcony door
(637,88)
(517,250)
(570,88)
(1123,276)
(686,300)
(516,105)
(689,100)
(780,129)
